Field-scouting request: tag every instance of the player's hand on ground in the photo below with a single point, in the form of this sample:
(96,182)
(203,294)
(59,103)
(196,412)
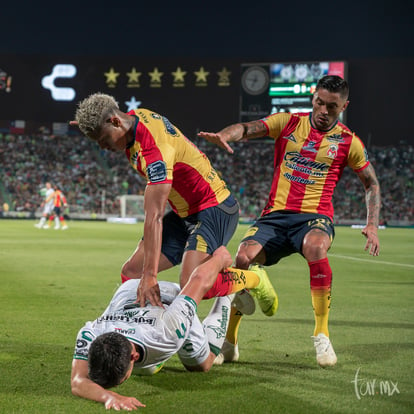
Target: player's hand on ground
(149,290)
(119,402)
(216,138)
(224,255)
(372,243)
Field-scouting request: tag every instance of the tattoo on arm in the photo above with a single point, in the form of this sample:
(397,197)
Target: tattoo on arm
(372,194)
(254,129)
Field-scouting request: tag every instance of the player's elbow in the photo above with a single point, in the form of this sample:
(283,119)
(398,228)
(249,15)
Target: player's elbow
(74,389)
(75,386)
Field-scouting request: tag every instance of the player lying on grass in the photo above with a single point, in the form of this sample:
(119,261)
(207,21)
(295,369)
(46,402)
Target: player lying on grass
(127,337)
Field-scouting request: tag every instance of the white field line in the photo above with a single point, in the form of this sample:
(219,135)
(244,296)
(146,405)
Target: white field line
(357,259)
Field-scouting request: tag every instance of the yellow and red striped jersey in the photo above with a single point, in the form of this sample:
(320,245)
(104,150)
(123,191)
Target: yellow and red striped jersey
(162,154)
(308,163)
(59,199)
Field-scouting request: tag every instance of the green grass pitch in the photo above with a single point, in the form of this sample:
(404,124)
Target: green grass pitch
(54,281)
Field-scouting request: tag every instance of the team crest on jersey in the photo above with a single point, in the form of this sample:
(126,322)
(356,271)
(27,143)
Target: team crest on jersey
(332,151)
(157,171)
(155,116)
(337,138)
(290,137)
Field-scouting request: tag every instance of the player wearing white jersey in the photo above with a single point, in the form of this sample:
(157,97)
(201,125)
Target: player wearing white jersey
(126,337)
(47,206)
(153,329)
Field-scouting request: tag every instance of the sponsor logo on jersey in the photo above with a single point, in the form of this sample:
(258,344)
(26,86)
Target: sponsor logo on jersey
(310,146)
(124,318)
(169,127)
(81,353)
(157,171)
(297,158)
(337,138)
(130,331)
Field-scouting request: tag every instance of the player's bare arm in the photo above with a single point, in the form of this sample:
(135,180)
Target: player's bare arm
(155,201)
(234,133)
(83,387)
(373,202)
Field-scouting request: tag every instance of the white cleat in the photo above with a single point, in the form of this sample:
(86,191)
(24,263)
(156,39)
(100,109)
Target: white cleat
(65,227)
(243,301)
(229,353)
(325,354)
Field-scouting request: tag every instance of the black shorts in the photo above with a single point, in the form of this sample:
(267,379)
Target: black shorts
(282,233)
(204,231)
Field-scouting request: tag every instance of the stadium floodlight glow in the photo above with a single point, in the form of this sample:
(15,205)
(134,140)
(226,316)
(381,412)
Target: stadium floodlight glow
(60,71)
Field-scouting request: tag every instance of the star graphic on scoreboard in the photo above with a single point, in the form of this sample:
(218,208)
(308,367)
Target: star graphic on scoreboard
(133,76)
(224,77)
(132,103)
(179,75)
(111,77)
(155,77)
(201,76)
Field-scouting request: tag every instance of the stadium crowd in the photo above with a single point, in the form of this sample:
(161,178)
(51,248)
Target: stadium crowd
(92,179)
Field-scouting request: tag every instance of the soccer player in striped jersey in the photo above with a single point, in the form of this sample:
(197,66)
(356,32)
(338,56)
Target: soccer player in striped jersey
(311,151)
(59,202)
(204,213)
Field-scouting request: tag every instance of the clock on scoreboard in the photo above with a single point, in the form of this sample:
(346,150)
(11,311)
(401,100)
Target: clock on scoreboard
(267,88)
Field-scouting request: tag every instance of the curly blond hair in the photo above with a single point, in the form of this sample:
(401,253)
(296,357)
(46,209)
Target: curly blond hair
(92,112)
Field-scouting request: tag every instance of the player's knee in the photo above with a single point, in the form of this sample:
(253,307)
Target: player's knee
(315,248)
(242,260)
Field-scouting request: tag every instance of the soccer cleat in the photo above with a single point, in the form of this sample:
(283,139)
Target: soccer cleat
(229,353)
(325,354)
(244,302)
(46,226)
(264,292)
(38,225)
(65,227)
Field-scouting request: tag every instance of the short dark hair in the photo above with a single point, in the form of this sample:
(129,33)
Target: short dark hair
(335,84)
(109,359)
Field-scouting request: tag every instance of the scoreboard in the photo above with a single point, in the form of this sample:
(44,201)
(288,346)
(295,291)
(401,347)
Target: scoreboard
(267,88)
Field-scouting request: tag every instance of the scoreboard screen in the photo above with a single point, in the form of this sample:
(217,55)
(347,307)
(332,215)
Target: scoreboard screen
(267,88)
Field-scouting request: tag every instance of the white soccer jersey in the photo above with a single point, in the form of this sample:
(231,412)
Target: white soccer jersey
(158,333)
(48,207)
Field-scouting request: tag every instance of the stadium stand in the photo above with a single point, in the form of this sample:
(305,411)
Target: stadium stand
(92,179)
